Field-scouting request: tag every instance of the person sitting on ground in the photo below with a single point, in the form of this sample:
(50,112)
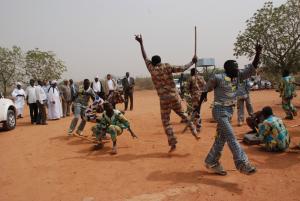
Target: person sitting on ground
(254,120)
(112,122)
(273,132)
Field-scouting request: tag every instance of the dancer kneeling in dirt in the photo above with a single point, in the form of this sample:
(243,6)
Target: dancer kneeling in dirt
(273,132)
(254,120)
(112,122)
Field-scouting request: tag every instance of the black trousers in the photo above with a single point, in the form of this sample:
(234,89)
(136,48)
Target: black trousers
(130,96)
(42,116)
(33,108)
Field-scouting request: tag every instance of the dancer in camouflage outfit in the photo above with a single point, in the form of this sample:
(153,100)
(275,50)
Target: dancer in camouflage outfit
(195,87)
(162,77)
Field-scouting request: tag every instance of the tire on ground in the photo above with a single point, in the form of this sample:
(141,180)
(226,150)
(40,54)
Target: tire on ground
(11,120)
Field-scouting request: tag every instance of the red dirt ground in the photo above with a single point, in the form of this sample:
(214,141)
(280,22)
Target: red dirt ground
(40,163)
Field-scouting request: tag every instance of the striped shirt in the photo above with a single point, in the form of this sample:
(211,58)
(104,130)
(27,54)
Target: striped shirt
(225,88)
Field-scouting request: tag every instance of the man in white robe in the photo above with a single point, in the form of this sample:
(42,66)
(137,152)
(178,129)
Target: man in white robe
(54,103)
(19,97)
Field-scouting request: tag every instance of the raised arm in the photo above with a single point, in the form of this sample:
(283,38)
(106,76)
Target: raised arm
(251,69)
(258,49)
(139,39)
(179,69)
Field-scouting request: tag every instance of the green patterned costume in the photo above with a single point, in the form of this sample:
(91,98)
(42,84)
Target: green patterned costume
(287,91)
(113,125)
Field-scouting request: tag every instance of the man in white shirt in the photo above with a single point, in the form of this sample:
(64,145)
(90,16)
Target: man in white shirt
(41,101)
(110,85)
(31,101)
(97,87)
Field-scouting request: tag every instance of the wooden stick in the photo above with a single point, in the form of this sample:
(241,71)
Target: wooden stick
(85,138)
(195,44)
(294,126)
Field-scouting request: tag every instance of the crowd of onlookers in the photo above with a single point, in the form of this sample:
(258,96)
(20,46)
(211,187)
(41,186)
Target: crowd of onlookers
(48,100)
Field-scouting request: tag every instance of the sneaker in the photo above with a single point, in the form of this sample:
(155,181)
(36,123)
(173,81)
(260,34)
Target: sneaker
(114,150)
(79,132)
(98,146)
(217,169)
(172,149)
(70,131)
(247,168)
(240,123)
(289,117)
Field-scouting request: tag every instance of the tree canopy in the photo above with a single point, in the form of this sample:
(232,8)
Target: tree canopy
(42,65)
(278,30)
(11,67)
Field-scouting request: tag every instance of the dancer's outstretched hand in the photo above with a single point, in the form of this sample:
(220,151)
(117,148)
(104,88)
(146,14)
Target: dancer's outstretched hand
(195,59)
(258,47)
(139,38)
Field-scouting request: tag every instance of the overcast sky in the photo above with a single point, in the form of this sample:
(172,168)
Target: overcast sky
(97,36)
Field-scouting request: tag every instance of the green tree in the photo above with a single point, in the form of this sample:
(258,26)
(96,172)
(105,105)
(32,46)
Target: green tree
(43,65)
(11,67)
(278,30)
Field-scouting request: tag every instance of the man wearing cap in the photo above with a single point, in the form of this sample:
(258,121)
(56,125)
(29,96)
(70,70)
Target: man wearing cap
(97,87)
(19,97)
(54,103)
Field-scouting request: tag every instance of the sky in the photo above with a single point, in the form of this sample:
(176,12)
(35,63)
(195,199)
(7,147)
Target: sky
(96,37)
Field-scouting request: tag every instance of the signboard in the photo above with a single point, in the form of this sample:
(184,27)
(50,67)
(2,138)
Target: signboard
(203,62)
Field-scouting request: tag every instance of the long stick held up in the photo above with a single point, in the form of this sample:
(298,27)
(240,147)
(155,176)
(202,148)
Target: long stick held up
(195,43)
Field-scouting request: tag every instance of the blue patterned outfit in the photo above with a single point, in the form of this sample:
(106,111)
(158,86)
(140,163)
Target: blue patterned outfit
(225,97)
(274,134)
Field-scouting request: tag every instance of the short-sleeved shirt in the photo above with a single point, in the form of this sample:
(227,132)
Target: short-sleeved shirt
(274,134)
(162,76)
(225,88)
(287,87)
(83,96)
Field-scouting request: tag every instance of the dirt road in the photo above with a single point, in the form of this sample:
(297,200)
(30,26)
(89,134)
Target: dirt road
(41,163)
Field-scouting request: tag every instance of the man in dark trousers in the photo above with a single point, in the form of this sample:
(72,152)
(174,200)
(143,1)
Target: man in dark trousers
(31,101)
(128,87)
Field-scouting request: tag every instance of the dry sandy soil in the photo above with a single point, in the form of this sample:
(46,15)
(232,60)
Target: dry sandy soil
(41,163)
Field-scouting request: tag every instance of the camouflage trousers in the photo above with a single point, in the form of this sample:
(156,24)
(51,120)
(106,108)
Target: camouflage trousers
(113,130)
(192,105)
(288,107)
(167,104)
